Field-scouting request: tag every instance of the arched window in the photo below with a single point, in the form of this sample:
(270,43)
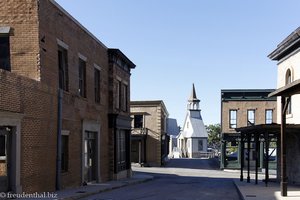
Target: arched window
(288,77)
(288,80)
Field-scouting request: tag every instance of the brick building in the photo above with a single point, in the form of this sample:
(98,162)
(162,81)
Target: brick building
(64,101)
(241,108)
(149,143)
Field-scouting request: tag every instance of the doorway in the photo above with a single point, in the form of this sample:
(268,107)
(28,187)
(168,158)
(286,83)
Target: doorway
(90,156)
(5,158)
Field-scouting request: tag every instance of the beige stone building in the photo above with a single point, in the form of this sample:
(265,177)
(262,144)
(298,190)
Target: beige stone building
(149,141)
(64,101)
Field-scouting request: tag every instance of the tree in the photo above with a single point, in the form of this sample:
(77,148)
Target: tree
(214,135)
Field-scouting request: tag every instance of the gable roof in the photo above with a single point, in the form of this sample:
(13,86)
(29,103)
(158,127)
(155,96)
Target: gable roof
(197,125)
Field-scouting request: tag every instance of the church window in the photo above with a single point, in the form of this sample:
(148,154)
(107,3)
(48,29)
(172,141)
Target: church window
(200,145)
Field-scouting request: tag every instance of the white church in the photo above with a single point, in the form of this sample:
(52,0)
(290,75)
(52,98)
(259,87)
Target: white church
(192,140)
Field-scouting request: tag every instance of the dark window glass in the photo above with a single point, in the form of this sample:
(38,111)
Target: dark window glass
(125,97)
(4,53)
(97,85)
(63,69)
(138,121)
(64,153)
(121,146)
(82,78)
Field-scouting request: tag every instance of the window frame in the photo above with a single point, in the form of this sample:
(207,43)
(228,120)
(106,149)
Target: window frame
(200,141)
(288,80)
(252,122)
(124,97)
(233,125)
(64,167)
(267,119)
(82,77)
(6,45)
(97,85)
(63,73)
(139,124)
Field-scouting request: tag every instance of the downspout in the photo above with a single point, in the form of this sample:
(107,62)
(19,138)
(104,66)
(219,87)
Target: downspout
(58,147)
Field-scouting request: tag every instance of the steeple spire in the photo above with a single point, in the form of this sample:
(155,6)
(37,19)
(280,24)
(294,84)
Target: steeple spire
(193,102)
(193,97)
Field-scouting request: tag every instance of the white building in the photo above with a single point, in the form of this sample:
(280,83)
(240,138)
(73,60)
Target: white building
(192,140)
(172,132)
(287,55)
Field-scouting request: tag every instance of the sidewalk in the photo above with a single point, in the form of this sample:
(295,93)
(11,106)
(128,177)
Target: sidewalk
(250,191)
(84,191)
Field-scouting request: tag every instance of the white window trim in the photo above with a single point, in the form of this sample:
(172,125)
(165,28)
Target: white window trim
(82,57)
(62,44)
(65,132)
(119,78)
(97,67)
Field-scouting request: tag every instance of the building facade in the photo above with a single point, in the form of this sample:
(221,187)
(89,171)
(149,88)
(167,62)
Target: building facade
(58,128)
(288,67)
(192,140)
(149,143)
(241,108)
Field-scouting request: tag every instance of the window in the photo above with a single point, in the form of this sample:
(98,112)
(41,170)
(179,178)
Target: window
(250,117)
(63,69)
(288,80)
(124,97)
(138,121)
(200,145)
(118,95)
(82,78)
(97,85)
(232,118)
(121,146)
(269,116)
(2,146)
(4,53)
(64,153)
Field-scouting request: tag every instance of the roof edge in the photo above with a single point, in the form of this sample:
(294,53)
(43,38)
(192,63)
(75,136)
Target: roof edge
(77,22)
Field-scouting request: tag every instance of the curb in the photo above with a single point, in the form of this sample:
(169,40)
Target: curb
(238,190)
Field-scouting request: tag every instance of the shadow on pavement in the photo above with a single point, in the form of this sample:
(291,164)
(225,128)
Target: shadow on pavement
(194,163)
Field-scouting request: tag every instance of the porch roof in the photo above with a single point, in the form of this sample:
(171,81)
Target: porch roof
(287,90)
(271,129)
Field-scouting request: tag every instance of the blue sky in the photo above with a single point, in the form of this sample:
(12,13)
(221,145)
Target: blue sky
(215,44)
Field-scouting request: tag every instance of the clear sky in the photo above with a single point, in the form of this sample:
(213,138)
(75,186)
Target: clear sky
(215,44)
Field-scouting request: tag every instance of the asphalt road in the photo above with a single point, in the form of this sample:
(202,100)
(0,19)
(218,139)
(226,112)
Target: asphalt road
(180,179)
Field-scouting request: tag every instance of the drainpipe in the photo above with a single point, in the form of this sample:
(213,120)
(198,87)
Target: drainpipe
(58,147)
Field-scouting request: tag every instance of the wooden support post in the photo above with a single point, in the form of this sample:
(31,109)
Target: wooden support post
(267,160)
(283,183)
(256,157)
(248,161)
(242,156)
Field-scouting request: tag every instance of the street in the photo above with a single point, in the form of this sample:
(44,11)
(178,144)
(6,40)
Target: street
(180,179)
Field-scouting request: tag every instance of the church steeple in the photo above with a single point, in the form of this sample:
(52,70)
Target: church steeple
(193,102)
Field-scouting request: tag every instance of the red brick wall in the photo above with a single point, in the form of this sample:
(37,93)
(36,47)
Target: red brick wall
(38,103)
(21,16)
(54,24)
(35,30)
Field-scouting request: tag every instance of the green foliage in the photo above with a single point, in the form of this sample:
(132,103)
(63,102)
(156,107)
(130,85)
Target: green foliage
(214,135)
